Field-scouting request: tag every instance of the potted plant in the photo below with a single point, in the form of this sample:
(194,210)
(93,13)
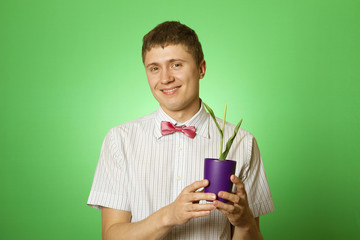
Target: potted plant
(219,170)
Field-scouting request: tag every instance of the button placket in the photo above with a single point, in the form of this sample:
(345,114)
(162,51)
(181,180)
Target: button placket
(178,165)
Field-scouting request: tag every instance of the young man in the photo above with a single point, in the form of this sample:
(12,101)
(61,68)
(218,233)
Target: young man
(148,180)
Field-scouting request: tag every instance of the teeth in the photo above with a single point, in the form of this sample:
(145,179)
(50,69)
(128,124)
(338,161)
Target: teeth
(170,90)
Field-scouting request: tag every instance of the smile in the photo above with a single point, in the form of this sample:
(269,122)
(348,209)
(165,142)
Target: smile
(170,91)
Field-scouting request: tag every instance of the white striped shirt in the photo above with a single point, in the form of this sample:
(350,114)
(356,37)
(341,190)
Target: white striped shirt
(141,171)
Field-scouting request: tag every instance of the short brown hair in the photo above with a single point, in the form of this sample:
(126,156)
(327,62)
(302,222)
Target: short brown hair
(173,33)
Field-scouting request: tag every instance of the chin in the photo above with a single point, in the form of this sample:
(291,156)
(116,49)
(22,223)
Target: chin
(172,107)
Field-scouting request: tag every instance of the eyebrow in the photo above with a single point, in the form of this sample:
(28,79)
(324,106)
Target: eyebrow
(171,61)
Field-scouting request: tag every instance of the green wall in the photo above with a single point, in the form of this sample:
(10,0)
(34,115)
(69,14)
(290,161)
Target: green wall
(71,70)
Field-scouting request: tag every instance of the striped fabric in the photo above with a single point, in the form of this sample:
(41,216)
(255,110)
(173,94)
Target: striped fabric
(141,171)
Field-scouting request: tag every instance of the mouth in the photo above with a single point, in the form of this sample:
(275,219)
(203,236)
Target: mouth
(170,91)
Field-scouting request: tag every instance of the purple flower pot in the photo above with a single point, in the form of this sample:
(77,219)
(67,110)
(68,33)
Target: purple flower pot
(218,173)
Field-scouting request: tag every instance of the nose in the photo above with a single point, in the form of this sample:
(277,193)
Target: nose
(166,76)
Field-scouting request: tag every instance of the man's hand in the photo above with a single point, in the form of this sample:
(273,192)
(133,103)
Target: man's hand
(186,206)
(117,225)
(237,209)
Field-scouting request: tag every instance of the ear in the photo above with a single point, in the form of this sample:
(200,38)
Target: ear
(202,69)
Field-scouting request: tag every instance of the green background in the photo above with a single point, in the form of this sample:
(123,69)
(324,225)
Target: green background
(71,70)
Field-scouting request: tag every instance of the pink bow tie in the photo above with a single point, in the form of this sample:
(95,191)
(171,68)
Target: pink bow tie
(168,128)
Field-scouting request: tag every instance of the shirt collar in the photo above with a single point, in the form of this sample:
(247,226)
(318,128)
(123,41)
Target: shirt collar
(200,121)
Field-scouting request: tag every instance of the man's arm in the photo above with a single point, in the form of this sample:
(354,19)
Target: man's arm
(250,233)
(116,224)
(239,213)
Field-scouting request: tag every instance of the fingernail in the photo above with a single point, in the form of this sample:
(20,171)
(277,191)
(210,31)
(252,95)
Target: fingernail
(213,196)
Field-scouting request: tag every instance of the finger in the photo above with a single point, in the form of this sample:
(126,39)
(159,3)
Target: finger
(224,212)
(196,185)
(197,196)
(226,208)
(240,186)
(237,181)
(201,196)
(234,198)
(200,207)
(199,214)
(201,190)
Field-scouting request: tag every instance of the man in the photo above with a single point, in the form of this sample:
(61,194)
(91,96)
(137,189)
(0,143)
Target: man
(148,183)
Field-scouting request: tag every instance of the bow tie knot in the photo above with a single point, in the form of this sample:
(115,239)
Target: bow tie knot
(169,128)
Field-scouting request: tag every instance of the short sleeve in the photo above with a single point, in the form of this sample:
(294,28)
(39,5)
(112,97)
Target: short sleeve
(256,184)
(110,180)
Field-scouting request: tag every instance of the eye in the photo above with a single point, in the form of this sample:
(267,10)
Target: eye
(176,65)
(154,69)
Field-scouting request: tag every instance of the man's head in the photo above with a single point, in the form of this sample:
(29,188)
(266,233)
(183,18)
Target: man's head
(173,33)
(174,63)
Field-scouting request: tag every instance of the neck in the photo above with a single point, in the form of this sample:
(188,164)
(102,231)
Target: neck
(184,114)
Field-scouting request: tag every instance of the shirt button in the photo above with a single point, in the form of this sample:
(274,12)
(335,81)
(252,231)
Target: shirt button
(180,148)
(178,178)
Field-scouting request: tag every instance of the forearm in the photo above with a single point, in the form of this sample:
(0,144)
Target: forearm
(249,233)
(153,227)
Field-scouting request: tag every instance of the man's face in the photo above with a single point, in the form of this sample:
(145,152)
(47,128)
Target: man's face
(173,77)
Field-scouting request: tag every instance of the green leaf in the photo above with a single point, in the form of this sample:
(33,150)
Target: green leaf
(212,114)
(222,130)
(229,142)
